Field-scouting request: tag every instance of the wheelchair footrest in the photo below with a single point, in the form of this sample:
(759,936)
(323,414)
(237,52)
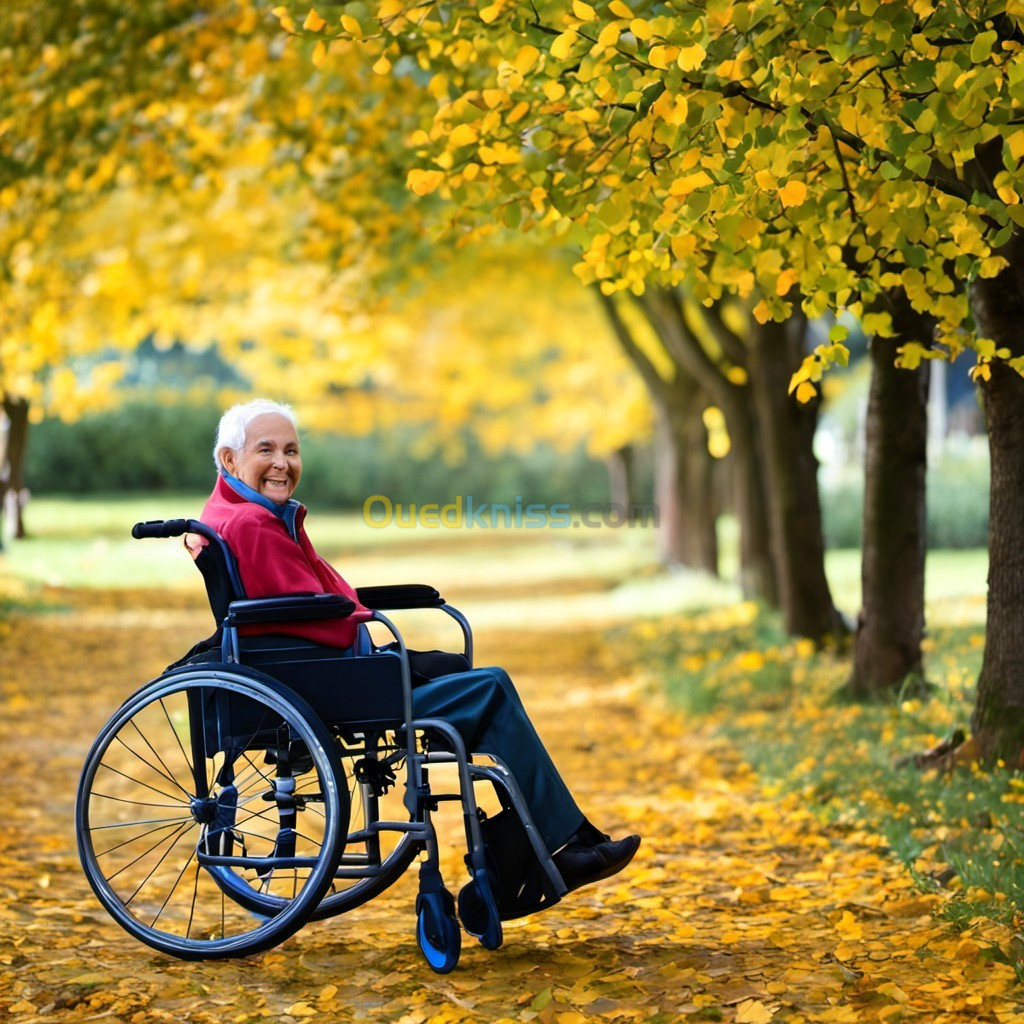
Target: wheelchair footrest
(478,910)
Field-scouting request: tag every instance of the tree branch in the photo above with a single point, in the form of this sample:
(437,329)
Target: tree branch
(647,370)
(729,341)
(665,314)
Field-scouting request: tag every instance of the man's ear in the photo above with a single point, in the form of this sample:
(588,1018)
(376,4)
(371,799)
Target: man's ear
(227,459)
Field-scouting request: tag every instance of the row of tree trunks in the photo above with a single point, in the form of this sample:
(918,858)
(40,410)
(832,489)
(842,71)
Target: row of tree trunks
(776,487)
(683,471)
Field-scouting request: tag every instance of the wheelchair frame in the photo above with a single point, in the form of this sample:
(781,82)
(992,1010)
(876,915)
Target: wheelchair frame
(202,851)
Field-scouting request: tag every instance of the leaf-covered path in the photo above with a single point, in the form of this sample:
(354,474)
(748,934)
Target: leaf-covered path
(739,907)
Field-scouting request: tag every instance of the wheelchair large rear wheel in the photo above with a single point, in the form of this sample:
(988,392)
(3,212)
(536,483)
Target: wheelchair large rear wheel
(209,786)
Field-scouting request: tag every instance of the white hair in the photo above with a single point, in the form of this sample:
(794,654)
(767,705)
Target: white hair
(235,422)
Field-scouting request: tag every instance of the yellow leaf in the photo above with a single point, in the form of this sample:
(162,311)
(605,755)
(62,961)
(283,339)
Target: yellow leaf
(672,109)
(689,182)
(847,925)
(909,356)
(423,182)
(785,281)
(793,193)
(619,9)
(508,77)
(562,45)
(992,266)
(661,56)
(490,13)
(583,10)
(805,392)
(609,35)
(313,22)
(640,28)
(382,66)
(526,58)
(301,1010)
(462,135)
(351,25)
(1015,142)
(753,1011)
(691,57)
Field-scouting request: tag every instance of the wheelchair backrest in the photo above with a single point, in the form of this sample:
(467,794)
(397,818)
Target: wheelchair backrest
(350,686)
(213,559)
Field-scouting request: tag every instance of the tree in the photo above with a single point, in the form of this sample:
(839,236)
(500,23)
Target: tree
(93,97)
(831,148)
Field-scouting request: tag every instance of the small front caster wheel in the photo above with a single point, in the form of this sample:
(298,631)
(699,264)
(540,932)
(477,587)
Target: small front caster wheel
(437,930)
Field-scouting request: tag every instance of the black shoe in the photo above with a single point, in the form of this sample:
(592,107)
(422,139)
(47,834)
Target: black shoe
(581,863)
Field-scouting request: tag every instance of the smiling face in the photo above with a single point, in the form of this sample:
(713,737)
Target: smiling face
(269,461)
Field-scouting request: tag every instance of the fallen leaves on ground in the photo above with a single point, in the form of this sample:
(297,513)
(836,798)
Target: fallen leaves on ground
(740,906)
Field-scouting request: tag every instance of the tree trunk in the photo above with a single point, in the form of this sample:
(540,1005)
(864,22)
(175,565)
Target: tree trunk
(786,431)
(620,465)
(684,488)
(890,627)
(758,575)
(13,471)
(998,719)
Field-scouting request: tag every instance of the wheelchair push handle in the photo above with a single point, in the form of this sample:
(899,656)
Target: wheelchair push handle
(172,528)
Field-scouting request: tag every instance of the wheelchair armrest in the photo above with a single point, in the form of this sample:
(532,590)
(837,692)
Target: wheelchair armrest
(403,595)
(289,608)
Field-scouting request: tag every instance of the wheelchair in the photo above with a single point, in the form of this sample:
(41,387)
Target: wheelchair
(266,782)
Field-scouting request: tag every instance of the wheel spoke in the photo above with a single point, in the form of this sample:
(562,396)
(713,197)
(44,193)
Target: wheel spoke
(165,772)
(141,835)
(128,800)
(137,782)
(181,746)
(167,899)
(172,839)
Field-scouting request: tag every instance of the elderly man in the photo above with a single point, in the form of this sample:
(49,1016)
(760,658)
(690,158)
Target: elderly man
(252,507)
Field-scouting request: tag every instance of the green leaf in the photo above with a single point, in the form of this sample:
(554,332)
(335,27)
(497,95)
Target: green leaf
(981,48)
(919,164)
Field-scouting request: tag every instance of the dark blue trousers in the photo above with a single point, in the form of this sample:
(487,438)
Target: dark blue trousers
(485,709)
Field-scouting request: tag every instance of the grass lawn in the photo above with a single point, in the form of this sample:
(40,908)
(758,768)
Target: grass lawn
(86,542)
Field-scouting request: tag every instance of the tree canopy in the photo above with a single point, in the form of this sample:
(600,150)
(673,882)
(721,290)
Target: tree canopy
(812,152)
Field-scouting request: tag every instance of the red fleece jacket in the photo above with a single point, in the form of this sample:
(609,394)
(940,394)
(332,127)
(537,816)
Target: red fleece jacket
(271,564)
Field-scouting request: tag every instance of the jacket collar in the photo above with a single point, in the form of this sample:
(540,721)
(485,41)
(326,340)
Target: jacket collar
(288,512)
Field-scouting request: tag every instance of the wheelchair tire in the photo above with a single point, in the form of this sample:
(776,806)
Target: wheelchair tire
(437,930)
(211,782)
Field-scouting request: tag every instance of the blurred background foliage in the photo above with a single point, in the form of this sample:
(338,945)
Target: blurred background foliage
(144,446)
